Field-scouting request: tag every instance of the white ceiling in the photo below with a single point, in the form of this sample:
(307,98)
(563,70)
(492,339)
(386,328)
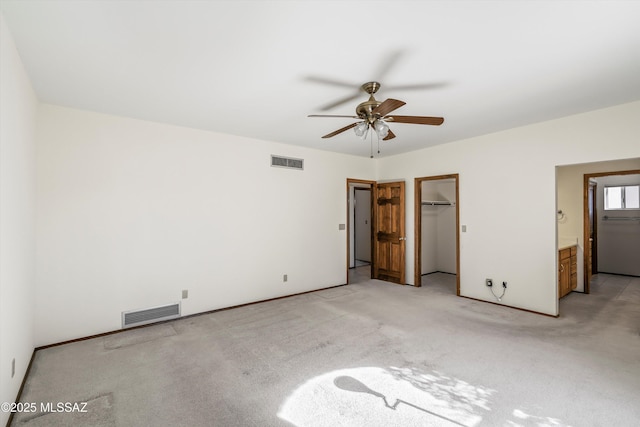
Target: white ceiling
(251,68)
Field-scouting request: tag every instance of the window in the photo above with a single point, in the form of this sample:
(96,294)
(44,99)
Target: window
(622,197)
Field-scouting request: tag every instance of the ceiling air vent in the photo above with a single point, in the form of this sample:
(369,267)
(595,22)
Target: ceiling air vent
(287,162)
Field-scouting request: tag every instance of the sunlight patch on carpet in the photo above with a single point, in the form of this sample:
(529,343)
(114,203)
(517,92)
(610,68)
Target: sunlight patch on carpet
(371,396)
(524,419)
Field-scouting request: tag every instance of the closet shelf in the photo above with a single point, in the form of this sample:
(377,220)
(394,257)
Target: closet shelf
(437,203)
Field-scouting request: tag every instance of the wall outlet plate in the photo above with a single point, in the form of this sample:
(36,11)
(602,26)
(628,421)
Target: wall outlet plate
(185,294)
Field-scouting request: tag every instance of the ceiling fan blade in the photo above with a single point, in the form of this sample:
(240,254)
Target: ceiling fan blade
(418,86)
(388,63)
(387,106)
(389,136)
(332,115)
(332,82)
(334,133)
(417,120)
(340,101)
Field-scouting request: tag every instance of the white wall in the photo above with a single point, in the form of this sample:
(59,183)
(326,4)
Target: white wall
(447,228)
(618,240)
(507,194)
(429,232)
(18,108)
(429,240)
(132,212)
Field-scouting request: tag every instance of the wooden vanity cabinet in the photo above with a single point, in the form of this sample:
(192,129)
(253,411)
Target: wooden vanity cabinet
(567,270)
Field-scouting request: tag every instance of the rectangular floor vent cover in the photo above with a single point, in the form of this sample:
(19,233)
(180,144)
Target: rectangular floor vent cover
(287,162)
(150,315)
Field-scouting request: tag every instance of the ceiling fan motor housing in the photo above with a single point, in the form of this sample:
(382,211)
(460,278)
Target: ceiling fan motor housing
(365,109)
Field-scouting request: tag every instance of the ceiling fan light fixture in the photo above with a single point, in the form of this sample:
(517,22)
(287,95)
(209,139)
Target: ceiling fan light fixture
(361,129)
(382,129)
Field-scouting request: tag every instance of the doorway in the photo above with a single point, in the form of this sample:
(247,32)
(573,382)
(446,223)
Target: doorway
(612,237)
(387,230)
(361,227)
(437,240)
(359,230)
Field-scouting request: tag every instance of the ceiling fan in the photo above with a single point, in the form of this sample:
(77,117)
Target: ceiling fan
(375,115)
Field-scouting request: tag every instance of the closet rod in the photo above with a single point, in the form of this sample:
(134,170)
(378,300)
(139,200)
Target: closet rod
(437,203)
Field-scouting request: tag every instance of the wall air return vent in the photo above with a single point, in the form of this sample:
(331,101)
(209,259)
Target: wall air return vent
(150,315)
(287,162)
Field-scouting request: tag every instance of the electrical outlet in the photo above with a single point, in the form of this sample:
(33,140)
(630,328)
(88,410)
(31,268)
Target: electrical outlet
(489,282)
(13,367)
(185,294)
(285,278)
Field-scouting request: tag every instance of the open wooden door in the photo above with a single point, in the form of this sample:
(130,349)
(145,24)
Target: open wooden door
(390,239)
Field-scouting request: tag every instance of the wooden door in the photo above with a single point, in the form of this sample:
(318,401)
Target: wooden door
(389,243)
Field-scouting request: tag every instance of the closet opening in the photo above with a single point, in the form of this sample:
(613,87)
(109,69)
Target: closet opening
(437,217)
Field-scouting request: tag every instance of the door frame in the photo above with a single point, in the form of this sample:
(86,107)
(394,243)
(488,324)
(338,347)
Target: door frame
(417,265)
(372,184)
(591,252)
(585,216)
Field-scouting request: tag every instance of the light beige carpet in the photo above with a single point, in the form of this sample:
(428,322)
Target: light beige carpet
(367,354)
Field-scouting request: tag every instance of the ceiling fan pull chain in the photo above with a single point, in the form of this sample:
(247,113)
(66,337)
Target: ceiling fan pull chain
(371,144)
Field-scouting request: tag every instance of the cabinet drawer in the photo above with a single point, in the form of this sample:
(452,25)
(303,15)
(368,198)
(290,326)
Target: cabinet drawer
(565,253)
(574,250)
